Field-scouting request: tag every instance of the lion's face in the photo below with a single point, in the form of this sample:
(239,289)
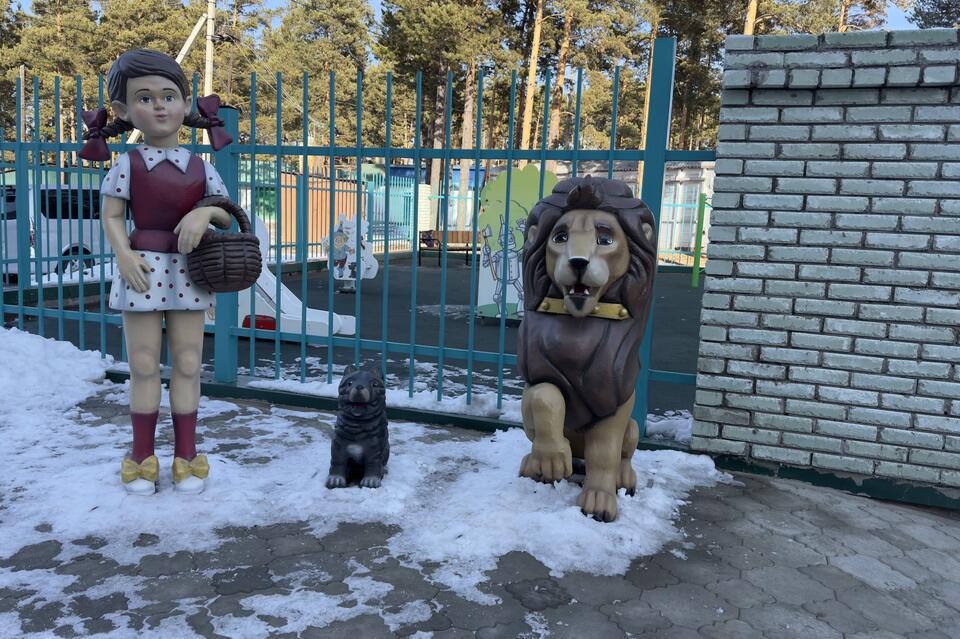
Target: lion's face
(587,251)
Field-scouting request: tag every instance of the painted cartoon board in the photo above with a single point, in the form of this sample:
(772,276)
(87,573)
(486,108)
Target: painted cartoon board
(499,278)
(345,251)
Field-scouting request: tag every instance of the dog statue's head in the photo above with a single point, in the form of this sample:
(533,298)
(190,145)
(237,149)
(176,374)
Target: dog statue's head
(588,240)
(362,394)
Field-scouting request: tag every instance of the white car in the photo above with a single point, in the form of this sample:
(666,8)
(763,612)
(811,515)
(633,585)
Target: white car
(9,246)
(68,236)
(65,232)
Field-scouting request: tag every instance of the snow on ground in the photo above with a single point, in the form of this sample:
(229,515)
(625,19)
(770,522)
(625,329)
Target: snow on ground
(63,471)
(675,425)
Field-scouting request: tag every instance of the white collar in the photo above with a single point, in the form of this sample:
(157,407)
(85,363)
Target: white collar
(152,156)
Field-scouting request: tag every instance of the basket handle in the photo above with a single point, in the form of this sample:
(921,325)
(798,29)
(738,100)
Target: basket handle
(230,207)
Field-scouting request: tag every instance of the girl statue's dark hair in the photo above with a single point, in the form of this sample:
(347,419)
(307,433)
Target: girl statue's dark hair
(136,63)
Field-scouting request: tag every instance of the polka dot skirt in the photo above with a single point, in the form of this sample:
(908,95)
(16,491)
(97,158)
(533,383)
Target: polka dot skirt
(170,289)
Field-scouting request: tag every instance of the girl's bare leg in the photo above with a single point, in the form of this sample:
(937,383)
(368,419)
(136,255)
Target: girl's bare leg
(143,332)
(185,341)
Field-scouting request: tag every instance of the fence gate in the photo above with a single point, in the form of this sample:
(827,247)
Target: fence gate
(299,206)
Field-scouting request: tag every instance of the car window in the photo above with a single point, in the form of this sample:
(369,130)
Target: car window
(70,204)
(10,205)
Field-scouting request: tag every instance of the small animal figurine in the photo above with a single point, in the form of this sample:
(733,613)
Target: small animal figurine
(360,447)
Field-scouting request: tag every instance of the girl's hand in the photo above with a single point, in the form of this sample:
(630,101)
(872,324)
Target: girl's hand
(192,227)
(133,270)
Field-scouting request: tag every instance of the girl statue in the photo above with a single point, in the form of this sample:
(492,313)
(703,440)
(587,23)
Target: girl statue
(161,182)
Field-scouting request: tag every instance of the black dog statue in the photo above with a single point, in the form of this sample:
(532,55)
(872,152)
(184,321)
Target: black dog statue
(360,447)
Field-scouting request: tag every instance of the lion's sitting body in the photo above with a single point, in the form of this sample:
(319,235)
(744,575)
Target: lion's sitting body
(589,243)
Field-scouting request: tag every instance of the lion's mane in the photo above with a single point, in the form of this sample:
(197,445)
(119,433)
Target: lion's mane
(593,361)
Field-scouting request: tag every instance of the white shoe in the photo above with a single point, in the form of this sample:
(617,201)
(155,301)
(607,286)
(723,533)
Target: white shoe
(140,486)
(190,485)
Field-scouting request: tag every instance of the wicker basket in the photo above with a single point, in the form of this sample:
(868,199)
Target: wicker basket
(226,262)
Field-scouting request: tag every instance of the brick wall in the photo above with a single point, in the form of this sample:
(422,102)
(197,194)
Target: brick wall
(832,302)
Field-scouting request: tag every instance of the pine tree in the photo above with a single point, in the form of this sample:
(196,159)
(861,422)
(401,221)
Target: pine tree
(930,14)
(11,25)
(315,37)
(57,40)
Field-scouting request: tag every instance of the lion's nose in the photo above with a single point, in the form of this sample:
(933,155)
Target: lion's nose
(579,264)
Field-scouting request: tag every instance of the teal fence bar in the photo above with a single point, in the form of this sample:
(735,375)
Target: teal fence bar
(299,176)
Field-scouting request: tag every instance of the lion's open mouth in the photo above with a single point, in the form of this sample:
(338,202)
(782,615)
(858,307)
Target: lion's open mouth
(578,289)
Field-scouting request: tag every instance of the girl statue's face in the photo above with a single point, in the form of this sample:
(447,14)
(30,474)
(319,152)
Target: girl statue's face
(155,107)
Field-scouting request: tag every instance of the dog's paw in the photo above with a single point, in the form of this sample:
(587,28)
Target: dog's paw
(371,481)
(336,481)
(599,504)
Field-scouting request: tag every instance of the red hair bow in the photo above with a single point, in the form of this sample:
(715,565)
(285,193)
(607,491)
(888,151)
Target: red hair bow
(96,147)
(208,107)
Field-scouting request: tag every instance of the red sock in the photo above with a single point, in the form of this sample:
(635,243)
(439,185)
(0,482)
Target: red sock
(144,429)
(185,435)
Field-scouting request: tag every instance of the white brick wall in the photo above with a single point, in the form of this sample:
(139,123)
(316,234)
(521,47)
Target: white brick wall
(830,323)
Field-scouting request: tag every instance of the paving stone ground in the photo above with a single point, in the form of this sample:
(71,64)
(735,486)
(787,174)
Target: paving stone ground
(762,558)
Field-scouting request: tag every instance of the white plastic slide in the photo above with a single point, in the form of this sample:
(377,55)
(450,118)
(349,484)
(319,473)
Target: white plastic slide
(291,309)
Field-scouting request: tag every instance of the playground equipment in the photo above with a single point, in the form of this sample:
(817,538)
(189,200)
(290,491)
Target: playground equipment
(264,314)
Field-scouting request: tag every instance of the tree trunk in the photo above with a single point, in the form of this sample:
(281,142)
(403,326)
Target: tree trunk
(436,164)
(654,26)
(844,14)
(236,19)
(553,131)
(491,132)
(531,89)
(750,22)
(467,138)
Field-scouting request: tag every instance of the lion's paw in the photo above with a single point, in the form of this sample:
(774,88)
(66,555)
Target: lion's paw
(599,504)
(627,478)
(548,465)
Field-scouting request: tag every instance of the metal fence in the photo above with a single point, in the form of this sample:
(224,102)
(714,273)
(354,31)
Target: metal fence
(300,209)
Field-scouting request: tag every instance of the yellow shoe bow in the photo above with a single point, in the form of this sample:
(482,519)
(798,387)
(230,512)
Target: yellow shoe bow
(183,468)
(148,469)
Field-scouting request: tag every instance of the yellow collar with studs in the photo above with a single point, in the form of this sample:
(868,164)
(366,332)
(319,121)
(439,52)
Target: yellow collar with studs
(605,310)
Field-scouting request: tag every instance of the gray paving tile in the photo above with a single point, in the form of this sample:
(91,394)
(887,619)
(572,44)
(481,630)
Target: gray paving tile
(636,616)
(646,576)
(689,605)
(34,557)
(577,620)
(839,616)
(788,585)
(365,626)
(595,590)
(873,572)
(784,621)
(944,564)
(740,593)
(932,537)
(733,629)
(887,611)
(698,566)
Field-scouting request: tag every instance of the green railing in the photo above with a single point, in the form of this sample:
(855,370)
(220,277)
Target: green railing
(386,205)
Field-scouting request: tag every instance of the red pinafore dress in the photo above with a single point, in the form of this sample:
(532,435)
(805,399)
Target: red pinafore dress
(158,199)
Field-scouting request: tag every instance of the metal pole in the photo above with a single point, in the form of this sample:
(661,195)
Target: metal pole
(208,65)
(698,246)
(20,95)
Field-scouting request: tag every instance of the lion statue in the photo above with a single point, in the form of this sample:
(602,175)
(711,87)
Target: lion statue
(588,265)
